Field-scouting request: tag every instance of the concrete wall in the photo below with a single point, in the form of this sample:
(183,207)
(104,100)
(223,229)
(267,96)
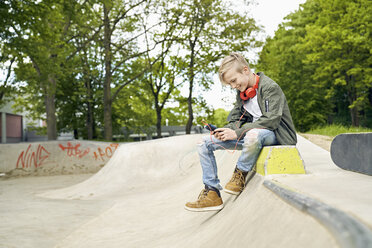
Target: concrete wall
(54,157)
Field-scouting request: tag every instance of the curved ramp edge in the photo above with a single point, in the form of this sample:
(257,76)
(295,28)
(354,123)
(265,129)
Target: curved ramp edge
(133,163)
(348,231)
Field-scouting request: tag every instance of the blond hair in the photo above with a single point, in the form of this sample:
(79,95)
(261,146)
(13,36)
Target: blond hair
(233,60)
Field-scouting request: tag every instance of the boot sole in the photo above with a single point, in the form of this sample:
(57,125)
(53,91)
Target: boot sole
(232,192)
(215,208)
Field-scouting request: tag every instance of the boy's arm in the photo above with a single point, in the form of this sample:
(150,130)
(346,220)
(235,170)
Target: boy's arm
(275,99)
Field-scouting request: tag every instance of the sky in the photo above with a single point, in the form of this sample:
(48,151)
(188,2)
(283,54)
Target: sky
(269,14)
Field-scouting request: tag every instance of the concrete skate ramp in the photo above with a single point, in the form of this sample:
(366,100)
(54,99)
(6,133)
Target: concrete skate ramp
(148,184)
(137,165)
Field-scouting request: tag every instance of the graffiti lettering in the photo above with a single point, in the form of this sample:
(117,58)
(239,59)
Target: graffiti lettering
(29,158)
(74,151)
(106,153)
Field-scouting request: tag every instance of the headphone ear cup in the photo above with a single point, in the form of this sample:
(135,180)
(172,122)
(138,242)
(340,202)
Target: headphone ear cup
(249,93)
(243,96)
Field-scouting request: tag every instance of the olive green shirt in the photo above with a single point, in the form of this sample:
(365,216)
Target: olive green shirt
(275,113)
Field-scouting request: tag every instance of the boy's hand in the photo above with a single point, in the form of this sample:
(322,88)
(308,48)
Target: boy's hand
(225,134)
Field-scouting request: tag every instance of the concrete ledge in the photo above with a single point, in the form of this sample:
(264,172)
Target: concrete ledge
(280,160)
(348,231)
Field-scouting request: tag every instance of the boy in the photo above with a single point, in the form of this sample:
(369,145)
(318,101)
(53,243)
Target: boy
(259,118)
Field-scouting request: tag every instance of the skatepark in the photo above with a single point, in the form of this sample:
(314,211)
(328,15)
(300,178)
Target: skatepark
(98,194)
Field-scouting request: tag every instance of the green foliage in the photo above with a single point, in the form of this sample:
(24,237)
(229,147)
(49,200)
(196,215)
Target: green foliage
(336,129)
(321,57)
(218,117)
(39,34)
(132,110)
(211,29)
(37,130)
(176,115)
(65,56)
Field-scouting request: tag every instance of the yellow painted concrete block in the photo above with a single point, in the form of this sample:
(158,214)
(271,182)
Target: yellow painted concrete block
(280,160)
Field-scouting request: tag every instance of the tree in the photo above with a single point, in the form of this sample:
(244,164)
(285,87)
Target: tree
(160,81)
(339,45)
(6,87)
(6,58)
(282,59)
(211,29)
(321,58)
(164,68)
(73,59)
(40,35)
(133,109)
(121,22)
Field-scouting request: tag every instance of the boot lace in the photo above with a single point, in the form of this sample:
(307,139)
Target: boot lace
(202,195)
(238,178)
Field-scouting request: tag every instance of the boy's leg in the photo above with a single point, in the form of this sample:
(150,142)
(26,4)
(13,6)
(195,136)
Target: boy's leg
(206,149)
(254,140)
(210,199)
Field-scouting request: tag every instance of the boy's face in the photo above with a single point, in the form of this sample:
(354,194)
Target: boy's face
(238,80)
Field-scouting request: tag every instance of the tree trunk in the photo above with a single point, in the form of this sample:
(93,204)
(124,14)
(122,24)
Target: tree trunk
(107,118)
(89,99)
(89,120)
(76,134)
(352,96)
(189,99)
(191,115)
(354,113)
(158,121)
(50,106)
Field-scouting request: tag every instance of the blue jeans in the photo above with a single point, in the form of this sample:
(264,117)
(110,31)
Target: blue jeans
(250,145)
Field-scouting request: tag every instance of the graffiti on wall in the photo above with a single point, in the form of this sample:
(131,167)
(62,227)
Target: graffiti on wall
(106,152)
(35,157)
(74,151)
(31,158)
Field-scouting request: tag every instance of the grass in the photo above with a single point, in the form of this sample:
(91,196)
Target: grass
(335,129)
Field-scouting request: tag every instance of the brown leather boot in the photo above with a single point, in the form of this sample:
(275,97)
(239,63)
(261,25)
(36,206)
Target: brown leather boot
(237,182)
(208,200)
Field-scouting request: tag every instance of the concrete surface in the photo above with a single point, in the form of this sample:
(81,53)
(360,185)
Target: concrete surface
(137,199)
(345,190)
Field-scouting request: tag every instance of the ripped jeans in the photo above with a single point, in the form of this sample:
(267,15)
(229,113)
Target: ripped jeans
(251,147)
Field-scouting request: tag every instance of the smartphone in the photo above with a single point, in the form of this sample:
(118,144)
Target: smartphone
(210,127)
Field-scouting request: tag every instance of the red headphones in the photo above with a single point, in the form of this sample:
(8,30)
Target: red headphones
(250,92)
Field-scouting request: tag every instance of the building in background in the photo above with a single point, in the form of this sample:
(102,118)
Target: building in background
(11,125)
(14,127)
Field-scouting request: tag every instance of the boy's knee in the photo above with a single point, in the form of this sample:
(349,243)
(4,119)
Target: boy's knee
(251,137)
(203,140)
(202,143)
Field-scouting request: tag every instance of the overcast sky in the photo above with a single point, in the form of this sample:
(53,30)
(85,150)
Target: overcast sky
(269,14)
